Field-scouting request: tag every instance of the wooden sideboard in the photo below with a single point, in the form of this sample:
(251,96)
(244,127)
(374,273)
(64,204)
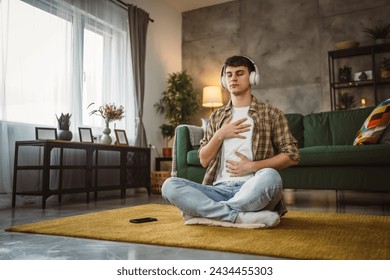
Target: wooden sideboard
(133,168)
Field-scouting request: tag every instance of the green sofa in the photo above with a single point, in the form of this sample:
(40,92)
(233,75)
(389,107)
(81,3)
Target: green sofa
(329,161)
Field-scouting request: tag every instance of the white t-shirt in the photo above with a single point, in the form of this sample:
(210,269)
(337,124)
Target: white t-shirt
(232,145)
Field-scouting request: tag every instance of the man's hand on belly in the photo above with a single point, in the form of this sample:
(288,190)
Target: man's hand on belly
(240,168)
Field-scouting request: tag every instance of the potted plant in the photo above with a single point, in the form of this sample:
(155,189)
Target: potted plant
(178,103)
(346,100)
(110,113)
(385,68)
(379,32)
(63,127)
(167,132)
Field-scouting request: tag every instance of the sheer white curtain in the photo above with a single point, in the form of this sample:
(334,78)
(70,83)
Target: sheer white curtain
(63,55)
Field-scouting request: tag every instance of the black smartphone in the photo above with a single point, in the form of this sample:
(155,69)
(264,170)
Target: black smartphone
(143,220)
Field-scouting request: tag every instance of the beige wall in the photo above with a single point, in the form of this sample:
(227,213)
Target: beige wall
(163,56)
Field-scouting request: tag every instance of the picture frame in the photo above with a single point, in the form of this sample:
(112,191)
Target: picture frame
(121,138)
(85,134)
(45,133)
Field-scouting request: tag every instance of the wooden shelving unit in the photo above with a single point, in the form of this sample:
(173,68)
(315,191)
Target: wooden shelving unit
(371,51)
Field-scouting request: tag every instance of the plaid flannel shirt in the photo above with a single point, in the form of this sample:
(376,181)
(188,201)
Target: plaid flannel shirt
(271,136)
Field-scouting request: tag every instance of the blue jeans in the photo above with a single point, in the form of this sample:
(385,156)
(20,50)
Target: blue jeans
(224,200)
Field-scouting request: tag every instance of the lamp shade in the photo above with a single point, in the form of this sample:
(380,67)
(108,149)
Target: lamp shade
(212,97)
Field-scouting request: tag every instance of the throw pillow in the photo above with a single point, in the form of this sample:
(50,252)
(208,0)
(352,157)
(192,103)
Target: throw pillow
(374,125)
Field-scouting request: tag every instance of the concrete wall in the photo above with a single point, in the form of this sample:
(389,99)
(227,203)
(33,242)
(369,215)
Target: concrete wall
(288,39)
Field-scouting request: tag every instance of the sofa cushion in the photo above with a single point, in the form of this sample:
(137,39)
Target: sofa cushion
(295,124)
(193,158)
(385,138)
(331,155)
(333,128)
(349,155)
(374,126)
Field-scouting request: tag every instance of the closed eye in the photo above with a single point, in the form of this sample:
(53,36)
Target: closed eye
(238,73)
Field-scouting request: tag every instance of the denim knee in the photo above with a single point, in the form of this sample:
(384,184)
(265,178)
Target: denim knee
(272,175)
(169,188)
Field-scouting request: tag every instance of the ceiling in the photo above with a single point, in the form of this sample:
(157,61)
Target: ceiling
(188,5)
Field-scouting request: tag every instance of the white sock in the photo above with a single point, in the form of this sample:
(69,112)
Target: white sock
(186,217)
(266,217)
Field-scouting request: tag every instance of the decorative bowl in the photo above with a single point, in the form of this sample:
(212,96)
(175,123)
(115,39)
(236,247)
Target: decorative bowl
(348,44)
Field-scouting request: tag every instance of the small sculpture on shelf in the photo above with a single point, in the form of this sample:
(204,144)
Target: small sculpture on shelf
(345,74)
(346,100)
(363,76)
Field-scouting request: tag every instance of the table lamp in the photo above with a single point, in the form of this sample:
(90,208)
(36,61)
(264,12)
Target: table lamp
(212,97)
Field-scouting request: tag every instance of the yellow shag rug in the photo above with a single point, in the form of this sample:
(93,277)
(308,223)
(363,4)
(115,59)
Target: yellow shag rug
(300,235)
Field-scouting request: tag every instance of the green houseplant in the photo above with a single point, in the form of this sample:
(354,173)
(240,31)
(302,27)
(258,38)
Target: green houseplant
(63,127)
(178,103)
(379,32)
(167,132)
(346,100)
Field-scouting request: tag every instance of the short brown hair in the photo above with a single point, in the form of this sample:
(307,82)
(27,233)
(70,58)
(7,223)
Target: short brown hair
(238,60)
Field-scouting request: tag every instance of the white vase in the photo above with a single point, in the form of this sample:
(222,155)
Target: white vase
(106,138)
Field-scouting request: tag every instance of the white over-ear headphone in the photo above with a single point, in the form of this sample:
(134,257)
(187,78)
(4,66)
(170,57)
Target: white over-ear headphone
(254,76)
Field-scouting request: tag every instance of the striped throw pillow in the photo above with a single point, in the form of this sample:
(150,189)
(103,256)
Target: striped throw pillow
(374,126)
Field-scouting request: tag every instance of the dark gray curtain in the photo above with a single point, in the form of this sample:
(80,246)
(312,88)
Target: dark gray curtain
(138,23)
